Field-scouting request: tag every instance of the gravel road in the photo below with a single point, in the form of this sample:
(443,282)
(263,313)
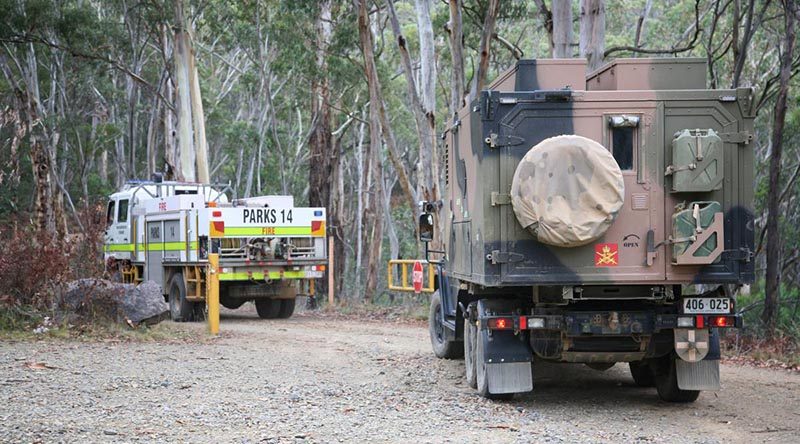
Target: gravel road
(314,378)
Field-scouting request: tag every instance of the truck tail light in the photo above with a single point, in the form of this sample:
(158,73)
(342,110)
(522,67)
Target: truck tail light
(216,213)
(722,321)
(500,324)
(685,321)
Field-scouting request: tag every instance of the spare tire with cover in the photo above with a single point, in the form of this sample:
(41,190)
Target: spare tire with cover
(567,191)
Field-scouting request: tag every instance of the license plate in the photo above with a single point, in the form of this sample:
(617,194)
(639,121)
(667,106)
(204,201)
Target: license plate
(707,305)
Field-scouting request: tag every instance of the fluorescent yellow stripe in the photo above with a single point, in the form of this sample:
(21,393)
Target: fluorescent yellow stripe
(267,231)
(166,246)
(259,276)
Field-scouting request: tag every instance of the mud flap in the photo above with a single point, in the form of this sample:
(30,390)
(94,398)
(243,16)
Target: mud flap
(704,374)
(514,377)
(701,375)
(507,355)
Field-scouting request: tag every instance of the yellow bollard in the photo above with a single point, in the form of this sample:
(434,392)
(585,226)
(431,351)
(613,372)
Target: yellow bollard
(212,298)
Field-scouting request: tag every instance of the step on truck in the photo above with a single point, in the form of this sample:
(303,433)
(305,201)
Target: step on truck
(164,231)
(595,219)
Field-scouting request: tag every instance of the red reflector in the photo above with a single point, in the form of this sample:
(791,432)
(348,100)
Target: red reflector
(523,323)
(216,214)
(316,225)
(722,321)
(699,322)
(500,323)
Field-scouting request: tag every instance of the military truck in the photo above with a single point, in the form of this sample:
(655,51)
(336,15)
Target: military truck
(594,219)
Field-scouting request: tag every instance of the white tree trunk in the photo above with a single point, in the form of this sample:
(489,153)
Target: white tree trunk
(562,29)
(198,119)
(186,148)
(593,32)
(457,55)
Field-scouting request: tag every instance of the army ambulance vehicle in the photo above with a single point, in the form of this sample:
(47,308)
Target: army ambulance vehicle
(595,219)
(163,232)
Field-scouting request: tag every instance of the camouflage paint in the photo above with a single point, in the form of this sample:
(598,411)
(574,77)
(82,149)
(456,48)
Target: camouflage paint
(487,247)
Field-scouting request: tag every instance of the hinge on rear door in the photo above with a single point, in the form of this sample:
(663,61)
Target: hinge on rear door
(503,257)
(495,140)
(741,138)
(500,199)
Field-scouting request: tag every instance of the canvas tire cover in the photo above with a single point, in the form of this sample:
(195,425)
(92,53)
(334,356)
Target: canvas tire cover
(567,191)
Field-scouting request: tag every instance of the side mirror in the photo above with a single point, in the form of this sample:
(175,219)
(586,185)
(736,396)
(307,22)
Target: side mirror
(426,227)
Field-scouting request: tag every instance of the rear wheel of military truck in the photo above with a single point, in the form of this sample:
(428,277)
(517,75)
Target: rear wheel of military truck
(642,373)
(442,348)
(470,339)
(666,382)
(481,375)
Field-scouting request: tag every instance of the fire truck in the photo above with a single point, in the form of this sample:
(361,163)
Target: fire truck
(163,231)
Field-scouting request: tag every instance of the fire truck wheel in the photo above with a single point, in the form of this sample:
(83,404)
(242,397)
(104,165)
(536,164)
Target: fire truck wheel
(287,308)
(442,348)
(198,311)
(470,338)
(232,304)
(268,308)
(666,379)
(642,374)
(179,308)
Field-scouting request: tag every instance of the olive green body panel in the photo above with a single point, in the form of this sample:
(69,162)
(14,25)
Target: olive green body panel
(484,242)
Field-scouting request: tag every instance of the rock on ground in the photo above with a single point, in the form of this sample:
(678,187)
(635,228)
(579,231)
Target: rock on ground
(89,298)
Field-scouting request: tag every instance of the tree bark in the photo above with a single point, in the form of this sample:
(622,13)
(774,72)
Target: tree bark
(40,161)
(183,86)
(562,29)
(171,156)
(640,23)
(322,156)
(457,54)
(198,118)
(547,23)
(428,167)
(593,31)
(373,219)
(773,278)
(485,47)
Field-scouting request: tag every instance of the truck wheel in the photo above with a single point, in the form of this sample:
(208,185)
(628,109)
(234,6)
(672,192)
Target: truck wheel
(642,374)
(268,308)
(232,304)
(470,338)
(442,348)
(286,308)
(482,379)
(666,379)
(180,309)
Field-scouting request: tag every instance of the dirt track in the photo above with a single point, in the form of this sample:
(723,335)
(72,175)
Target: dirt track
(318,379)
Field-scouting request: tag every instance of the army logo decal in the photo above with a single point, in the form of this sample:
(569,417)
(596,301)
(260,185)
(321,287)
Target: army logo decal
(606,255)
